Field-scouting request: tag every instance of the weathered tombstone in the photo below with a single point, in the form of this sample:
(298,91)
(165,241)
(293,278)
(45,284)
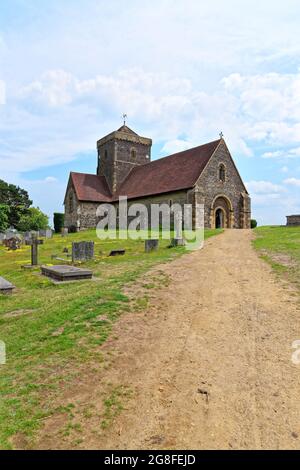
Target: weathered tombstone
(82,251)
(34,243)
(177,242)
(2,237)
(66,273)
(151,245)
(45,233)
(117,253)
(6,287)
(64,232)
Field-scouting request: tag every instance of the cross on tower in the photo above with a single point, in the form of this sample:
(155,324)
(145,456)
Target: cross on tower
(34,243)
(124,117)
(221,135)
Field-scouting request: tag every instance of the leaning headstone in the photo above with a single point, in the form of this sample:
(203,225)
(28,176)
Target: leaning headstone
(6,287)
(151,245)
(82,251)
(66,273)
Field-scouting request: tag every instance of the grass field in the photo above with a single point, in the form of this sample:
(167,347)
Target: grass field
(280,246)
(50,330)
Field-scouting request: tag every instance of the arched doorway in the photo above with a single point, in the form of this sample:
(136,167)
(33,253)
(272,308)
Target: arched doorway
(220,218)
(222,212)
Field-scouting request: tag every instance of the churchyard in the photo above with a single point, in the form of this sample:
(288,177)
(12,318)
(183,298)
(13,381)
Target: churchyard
(280,247)
(53,330)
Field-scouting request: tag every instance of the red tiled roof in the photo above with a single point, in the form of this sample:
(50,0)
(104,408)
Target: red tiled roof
(91,188)
(168,174)
(178,171)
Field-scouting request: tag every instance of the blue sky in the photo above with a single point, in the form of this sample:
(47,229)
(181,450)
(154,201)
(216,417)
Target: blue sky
(183,70)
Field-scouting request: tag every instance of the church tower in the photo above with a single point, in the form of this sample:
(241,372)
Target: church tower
(119,152)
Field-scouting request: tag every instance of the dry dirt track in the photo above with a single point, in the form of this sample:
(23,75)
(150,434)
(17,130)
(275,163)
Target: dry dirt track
(210,360)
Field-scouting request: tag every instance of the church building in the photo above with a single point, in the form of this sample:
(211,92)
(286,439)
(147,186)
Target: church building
(205,175)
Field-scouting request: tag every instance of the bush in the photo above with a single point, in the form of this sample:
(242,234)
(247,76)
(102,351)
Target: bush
(4,212)
(58,221)
(253,223)
(33,219)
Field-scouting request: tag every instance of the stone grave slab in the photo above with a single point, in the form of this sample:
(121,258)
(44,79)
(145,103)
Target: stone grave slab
(6,287)
(117,253)
(64,272)
(82,251)
(151,245)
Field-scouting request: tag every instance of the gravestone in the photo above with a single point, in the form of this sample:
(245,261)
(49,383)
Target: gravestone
(46,233)
(34,243)
(66,273)
(64,232)
(6,287)
(177,242)
(82,251)
(151,245)
(2,237)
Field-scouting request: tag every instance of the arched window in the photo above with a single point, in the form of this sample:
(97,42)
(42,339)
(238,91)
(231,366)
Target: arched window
(222,173)
(133,154)
(105,155)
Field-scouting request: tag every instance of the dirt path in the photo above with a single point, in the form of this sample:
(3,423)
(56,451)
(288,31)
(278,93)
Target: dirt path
(209,362)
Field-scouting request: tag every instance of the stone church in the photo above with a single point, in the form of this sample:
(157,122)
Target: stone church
(205,175)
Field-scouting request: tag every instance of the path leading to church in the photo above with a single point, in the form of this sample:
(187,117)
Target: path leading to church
(209,362)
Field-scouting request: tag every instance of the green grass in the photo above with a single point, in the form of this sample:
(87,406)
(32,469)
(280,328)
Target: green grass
(280,247)
(50,330)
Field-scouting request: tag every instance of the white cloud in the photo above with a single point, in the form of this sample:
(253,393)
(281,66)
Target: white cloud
(284,169)
(263,187)
(50,179)
(174,146)
(54,88)
(292,181)
(287,153)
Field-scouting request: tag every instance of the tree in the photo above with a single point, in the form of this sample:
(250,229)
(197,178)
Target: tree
(4,211)
(58,221)
(253,223)
(16,199)
(33,219)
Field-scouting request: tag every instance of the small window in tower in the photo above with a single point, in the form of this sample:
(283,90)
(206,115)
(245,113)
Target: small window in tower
(222,173)
(133,154)
(105,155)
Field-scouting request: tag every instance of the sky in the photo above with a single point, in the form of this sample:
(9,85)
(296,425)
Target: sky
(182,70)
